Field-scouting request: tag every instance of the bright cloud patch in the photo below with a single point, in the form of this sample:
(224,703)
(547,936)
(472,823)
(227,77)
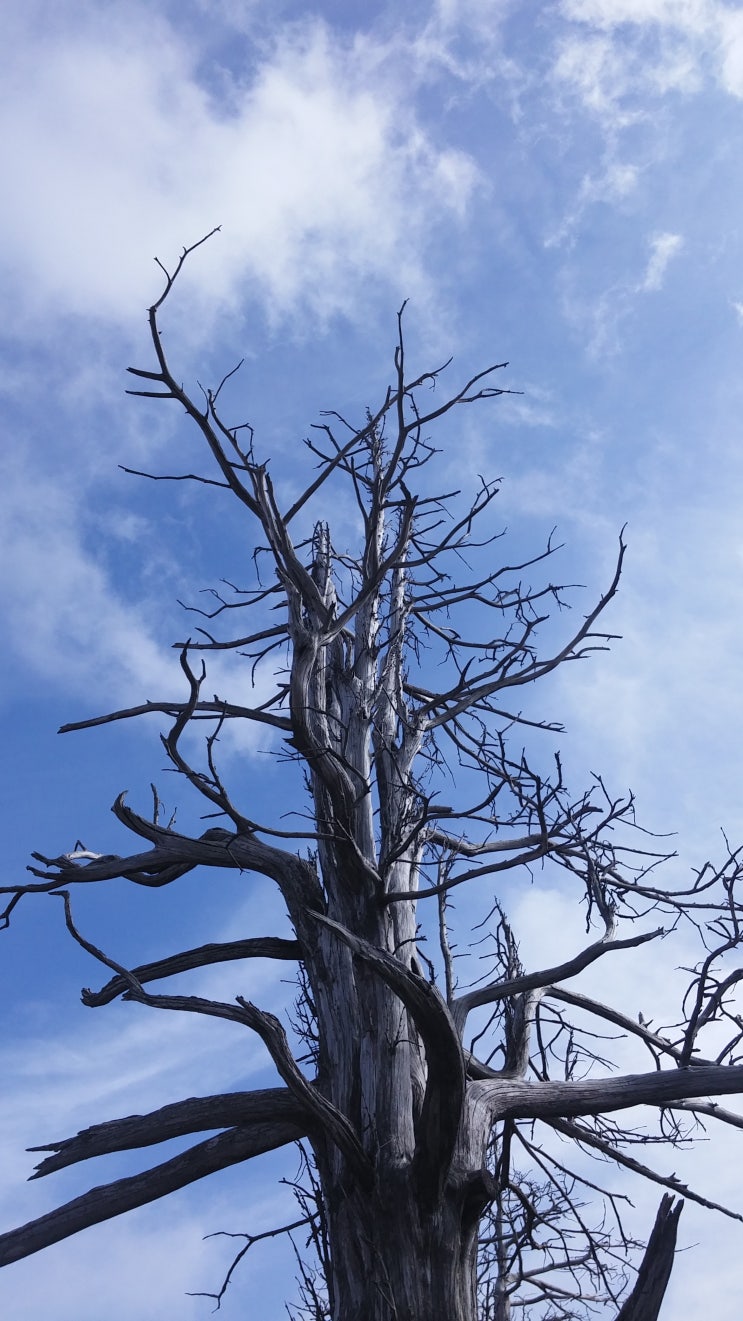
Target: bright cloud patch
(313,163)
(691,37)
(662,250)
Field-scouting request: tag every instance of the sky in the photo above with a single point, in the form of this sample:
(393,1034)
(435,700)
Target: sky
(558,185)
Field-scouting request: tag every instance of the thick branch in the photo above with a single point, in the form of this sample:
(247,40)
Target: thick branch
(644,1302)
(444,1094)
(109,1200)
(197,1114)
(514,1099)
(173,855)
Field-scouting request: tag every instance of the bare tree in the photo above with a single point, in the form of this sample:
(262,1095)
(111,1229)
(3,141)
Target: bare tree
(437,1119)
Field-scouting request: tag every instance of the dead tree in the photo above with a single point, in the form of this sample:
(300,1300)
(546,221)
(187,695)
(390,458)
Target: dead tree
(402,674)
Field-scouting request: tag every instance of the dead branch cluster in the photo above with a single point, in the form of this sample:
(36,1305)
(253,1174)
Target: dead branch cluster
(402,676)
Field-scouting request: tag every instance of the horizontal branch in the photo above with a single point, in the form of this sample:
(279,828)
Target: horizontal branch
(203,710)
(113,1199)
(517,860)
(194,1115)
(170,477)
(175,854)
(468,848)
(257,947)
(511,1098)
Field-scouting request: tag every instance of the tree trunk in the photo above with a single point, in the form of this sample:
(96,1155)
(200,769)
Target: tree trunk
(395,1261)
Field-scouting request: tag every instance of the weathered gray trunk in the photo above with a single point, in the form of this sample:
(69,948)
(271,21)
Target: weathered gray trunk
(393,1261)
(404,1244)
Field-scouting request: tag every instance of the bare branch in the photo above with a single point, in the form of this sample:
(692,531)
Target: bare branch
(197,1114)
(113,1199)
(646,1298)
(464,1004)
(589,1139)
(513,1099)
(257,947)
(334,1124)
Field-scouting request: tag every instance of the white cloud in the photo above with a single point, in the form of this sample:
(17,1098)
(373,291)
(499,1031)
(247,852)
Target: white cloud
(314,165)
(663,248)
(610,186)
(70,623)
(730,28)
(593,68)
(690,14)
(603,316)
(690,39)
(61,611)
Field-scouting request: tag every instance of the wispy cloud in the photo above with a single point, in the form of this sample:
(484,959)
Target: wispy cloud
(106,1064)
(64,615)
(663,248)
(683,42)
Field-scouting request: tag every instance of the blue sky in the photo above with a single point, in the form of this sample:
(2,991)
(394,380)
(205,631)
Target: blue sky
(559,185)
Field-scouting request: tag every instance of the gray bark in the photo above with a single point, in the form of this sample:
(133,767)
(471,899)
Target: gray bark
(645,1300)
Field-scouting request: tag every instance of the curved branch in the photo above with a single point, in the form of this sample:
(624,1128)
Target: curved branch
(333,1123)
(258,947)
(531,981)
(173,855)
